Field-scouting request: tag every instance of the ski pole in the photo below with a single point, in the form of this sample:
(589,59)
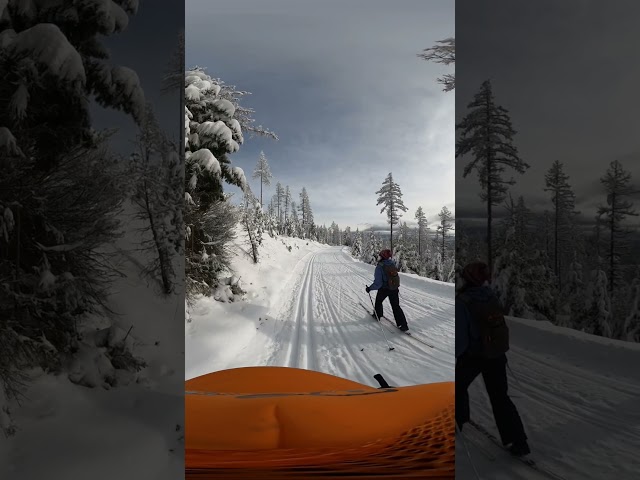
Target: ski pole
(378,318)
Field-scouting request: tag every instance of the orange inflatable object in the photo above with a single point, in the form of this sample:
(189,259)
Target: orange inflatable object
(277,422)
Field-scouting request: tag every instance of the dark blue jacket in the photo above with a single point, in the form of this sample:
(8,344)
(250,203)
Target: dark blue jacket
(467,331)
(380,277)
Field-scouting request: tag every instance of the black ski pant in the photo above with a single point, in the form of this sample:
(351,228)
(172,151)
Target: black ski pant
(394,299)
(494,374)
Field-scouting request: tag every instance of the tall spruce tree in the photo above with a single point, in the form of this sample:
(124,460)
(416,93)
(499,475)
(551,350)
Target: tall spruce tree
(262,172)
(563,198)
(487,134)
(390,196)
(446,218)
(617,183)
(422,227)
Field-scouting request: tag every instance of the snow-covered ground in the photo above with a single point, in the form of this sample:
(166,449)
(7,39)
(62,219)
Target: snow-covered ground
(579,396)
(302,309)
(127,432)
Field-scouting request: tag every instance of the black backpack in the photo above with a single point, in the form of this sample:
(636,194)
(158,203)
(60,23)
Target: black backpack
(393,278)
(494,332)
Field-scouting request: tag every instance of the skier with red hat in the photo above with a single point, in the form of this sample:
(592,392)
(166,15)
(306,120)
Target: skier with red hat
(387,283)
(482,340)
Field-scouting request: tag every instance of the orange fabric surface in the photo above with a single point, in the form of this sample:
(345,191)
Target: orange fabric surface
(258,421)
(270,379)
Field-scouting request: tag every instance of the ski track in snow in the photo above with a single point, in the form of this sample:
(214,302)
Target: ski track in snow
(579,401)
(317,324)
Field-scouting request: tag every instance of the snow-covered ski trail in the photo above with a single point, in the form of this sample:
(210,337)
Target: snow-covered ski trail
(324,328)
(578,398)
(317,323)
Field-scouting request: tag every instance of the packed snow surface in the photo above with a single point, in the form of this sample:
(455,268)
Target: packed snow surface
(129,432)
(578,396)
(303,309)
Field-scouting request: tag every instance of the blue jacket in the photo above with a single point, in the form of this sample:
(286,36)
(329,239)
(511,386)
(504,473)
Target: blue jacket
(467,331)
(380,277)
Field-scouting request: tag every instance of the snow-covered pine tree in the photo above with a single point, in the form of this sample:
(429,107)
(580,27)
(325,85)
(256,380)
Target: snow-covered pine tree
(373,248)
(390,197)
(563,199)
(487,134)
(617,183)
(575,292)
(157,178)
(599,314)
(631,330)
(295,222)
(445,226)
(399,250)
(421,218)
(279,201)
(60,188)
(214,125)
(287,203)
(250,222)
(263,173)
(512,263)
(211,133)
(307,223)
(357,247)
(445,54)
(334,234)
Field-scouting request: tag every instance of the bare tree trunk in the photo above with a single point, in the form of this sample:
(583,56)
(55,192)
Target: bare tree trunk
(162,254)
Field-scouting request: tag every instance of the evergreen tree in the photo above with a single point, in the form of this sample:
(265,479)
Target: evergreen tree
(617,183)
(251,222)
(263,172)
(422,227)
(307,223)
(390,196)
(599,314)
(61,189)
(287,202)
(445,225)
(631,330)
(487,134)
(575,294)
(157,176)
(557,183)
(357,248)
(445,53)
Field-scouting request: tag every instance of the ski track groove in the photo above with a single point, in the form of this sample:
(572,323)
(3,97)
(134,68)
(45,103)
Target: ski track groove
(314,320)
(293,356)
(563,399)
(339,330)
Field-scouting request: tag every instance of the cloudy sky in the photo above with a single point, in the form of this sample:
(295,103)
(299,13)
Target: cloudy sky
(341,85)
(568,72)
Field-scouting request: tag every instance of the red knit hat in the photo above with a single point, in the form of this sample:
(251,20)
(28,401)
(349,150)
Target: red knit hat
(476,273)
(385,254)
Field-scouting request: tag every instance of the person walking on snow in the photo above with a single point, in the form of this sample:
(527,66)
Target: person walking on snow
(482,340)
(387,283)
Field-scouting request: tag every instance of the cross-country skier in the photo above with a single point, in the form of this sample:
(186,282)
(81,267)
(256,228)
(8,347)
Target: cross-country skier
(482,339)
(387,283)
